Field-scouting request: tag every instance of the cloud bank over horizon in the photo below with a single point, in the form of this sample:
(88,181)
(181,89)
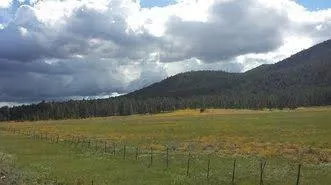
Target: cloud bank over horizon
(53,49)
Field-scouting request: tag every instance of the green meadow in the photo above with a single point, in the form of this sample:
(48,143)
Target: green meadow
(184,147)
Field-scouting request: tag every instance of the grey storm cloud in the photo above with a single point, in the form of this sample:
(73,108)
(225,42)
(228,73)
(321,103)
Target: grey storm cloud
(35,80)
(73,38)
(318,31)
(234,28)
(17,46)
(91,52)
(82,57)
(111,31)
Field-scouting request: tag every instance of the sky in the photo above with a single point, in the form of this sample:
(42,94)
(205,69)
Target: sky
(158,3)
(74,49)
(315,4)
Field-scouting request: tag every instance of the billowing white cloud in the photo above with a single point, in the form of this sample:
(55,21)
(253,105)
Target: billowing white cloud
(5,3)
(84,48)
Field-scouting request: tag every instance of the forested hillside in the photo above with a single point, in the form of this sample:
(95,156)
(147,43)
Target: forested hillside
(301,74)
(303,79)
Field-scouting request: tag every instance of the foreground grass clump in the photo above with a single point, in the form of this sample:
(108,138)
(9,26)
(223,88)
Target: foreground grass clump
(81,151)
(8,174)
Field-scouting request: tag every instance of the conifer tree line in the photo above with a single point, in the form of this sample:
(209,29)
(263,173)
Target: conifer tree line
(129,105)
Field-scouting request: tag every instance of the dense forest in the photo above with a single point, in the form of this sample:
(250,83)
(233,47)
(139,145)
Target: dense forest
(304,79)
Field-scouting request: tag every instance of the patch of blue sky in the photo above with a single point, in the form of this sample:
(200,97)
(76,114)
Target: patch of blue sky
(154,3)
(315,4)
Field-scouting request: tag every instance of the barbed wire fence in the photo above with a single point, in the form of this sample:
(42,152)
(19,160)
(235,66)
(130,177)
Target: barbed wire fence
(147,155)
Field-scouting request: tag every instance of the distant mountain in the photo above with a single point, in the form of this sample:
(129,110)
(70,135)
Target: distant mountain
(191,83)
(303,74)
(303,79)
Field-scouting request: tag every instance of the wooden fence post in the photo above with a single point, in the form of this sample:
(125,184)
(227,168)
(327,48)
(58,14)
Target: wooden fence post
(124,151)
(151,162)
(208,169)
(114,148)
(167,157)
(137,152)
(234,170)
(298,177)
(188,165)
(262,166)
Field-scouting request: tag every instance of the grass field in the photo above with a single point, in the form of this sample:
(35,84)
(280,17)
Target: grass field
(84,151)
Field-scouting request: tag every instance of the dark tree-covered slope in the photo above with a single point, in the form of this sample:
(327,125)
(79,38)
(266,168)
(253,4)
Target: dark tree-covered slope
(303,79)
(191,83)
(306,71)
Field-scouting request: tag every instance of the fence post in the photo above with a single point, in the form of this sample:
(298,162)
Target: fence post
(234,170)
(151,163)
(124,152)
(208,169)
(262,166)
(114,148)
(97,145)
(299,171)
(78,141)
(105,147)
(167,158)
(137,152)
(188,165)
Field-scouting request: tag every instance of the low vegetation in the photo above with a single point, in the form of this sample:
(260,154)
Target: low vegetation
(81,151)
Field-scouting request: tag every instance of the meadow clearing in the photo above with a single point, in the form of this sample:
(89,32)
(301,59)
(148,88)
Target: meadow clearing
(184,147)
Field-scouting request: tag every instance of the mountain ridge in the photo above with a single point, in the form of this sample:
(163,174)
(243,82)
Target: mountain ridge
(307,68)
